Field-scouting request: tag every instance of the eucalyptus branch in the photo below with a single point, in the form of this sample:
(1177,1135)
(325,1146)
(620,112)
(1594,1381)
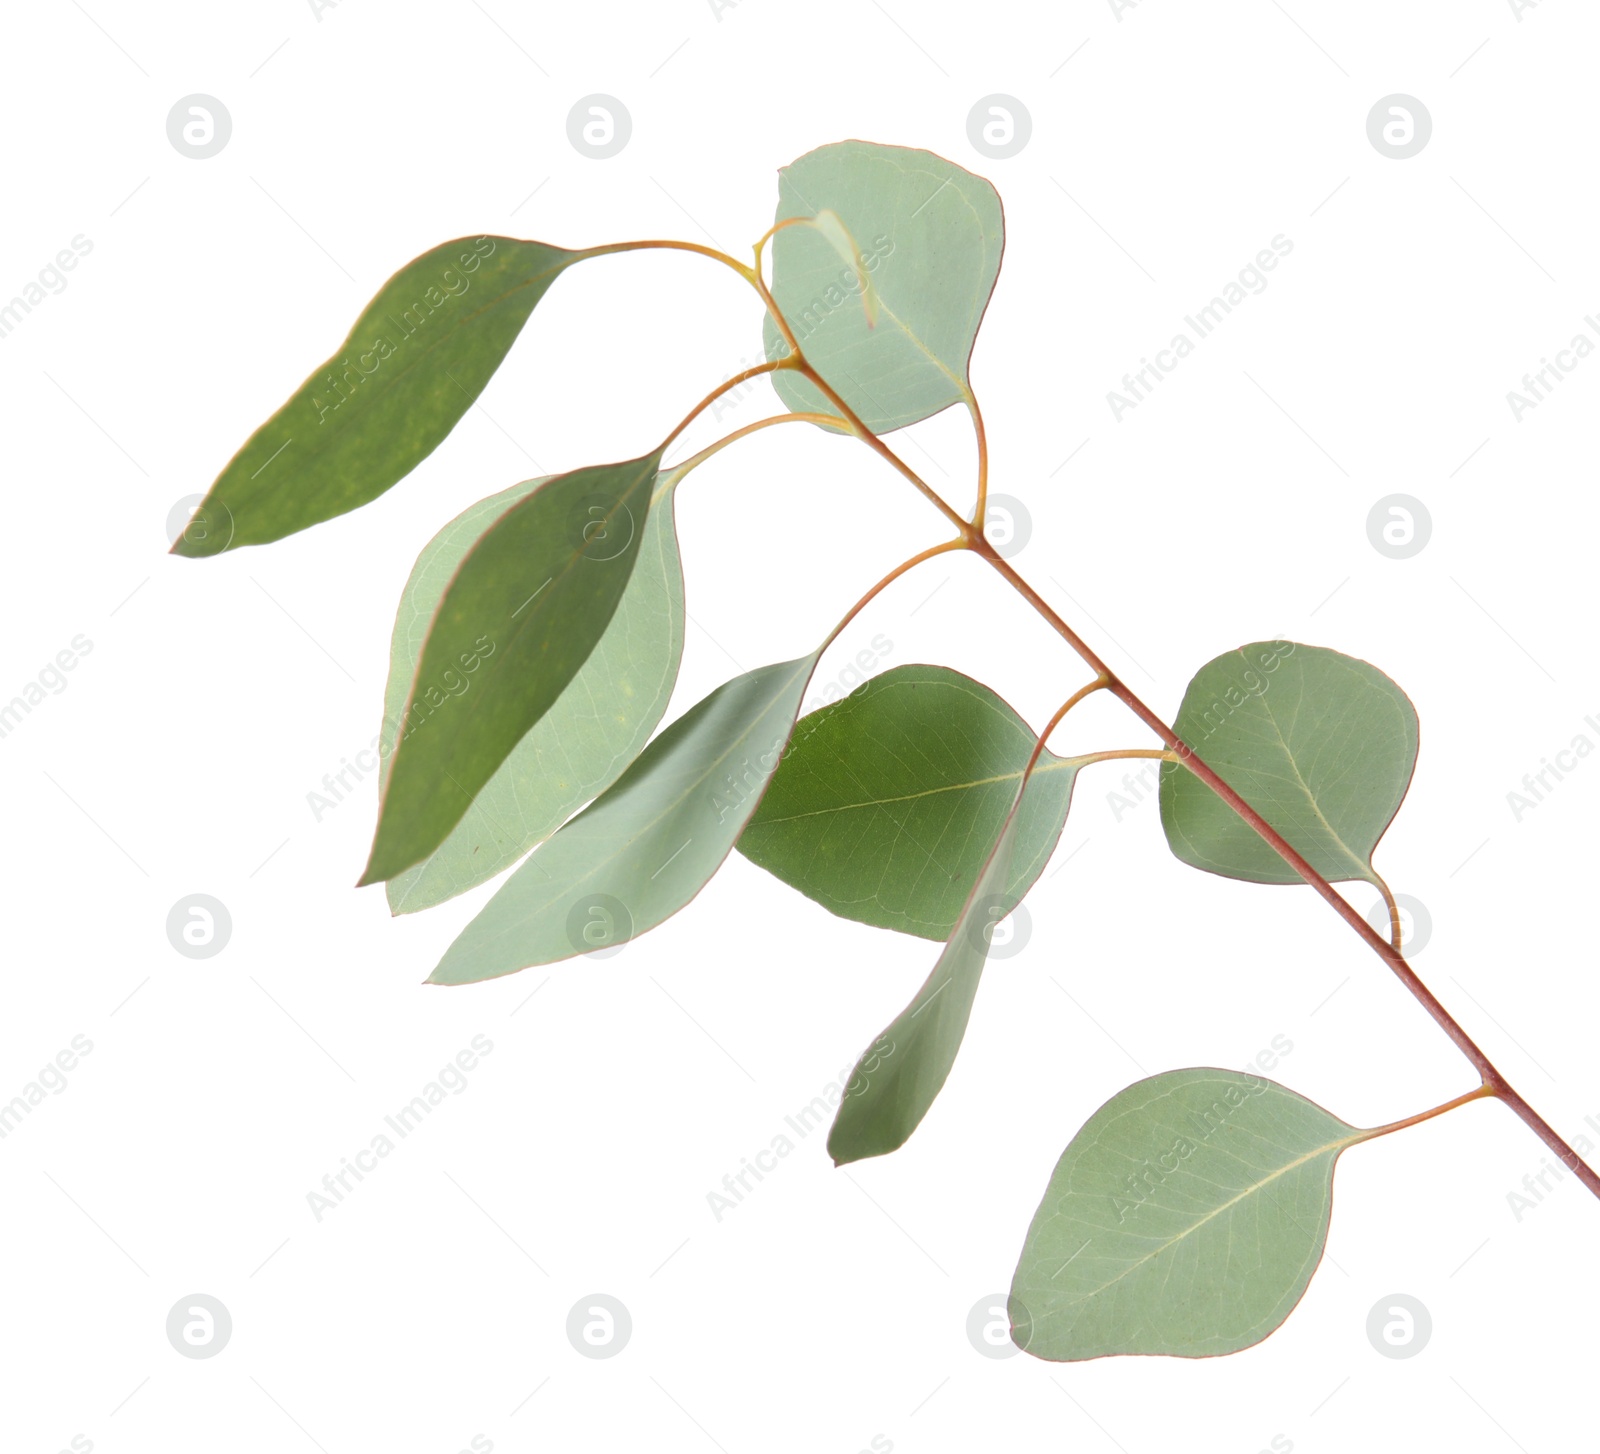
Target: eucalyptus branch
(564,591)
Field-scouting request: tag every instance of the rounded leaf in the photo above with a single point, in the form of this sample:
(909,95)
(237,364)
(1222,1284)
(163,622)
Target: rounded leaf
(1320,744)
(930,235)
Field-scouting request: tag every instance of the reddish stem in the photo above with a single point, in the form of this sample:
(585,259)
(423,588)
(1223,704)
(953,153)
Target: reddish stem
(1387,952)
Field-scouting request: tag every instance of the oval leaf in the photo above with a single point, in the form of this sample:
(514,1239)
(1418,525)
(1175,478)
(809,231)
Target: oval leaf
(417,358)
(1186,1218)
(904,1069)
(597,726)
(646,846)
(1320,744)
(930,235)
(889,802)
(526,606)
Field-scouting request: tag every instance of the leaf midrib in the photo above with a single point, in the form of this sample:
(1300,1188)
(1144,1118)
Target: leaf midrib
(1054,765)
(1337,1145)
(693,785)
(1305,787)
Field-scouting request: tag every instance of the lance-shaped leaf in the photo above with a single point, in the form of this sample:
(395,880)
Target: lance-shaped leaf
(887,805)
(1186,1217)
(930,235)
(647,845)
(1320,744)
(417,358)
(526,606)
(597,726)
(896,1080)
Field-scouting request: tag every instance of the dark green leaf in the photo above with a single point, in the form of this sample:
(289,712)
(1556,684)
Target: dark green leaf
(412,366)
(1320,744)
(649,843)
(1186,1217)
(527,605)
(888,804)
(904,1069)
(597,726)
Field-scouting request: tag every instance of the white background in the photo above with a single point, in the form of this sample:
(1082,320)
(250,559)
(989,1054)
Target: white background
(1169,145)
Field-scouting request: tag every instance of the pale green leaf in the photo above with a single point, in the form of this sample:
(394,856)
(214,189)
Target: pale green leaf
(930,235)
(829,225)
(649,843)
(1186,1218)
(1320,744)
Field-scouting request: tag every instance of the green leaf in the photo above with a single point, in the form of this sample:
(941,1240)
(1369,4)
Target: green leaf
(930,235)
(1321,745)
(1186,1218)
(526,606)
(649,843)
(904,1069)
(597,726)
(413,364)
(888,804)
